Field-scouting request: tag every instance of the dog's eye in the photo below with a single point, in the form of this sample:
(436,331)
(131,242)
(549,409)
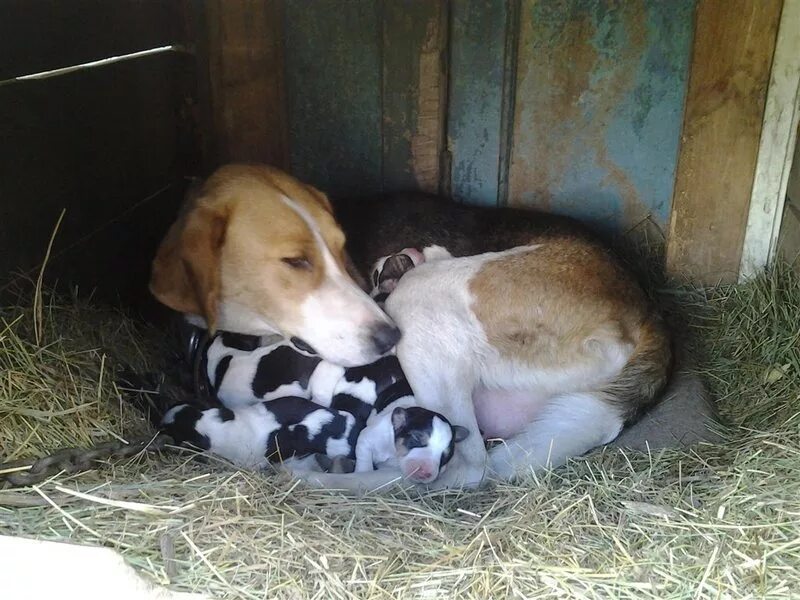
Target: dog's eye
(414,440)
(298,262)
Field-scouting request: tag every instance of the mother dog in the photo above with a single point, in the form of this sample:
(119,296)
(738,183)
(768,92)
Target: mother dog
(547,343)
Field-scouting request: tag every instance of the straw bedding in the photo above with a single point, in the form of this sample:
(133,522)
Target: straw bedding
(714,521)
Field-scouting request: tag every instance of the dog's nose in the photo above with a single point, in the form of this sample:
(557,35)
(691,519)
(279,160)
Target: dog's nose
(385,337)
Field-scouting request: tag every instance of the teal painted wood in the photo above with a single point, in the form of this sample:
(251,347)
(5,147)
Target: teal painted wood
(333,83)
(414,35)
(598,108)
(474,124)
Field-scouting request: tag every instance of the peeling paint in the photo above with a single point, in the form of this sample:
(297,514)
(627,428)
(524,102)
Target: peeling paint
(598,108)
(477,45)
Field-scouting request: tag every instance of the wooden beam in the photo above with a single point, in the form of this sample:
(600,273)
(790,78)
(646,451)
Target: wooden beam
(413,90)
(733,48)
(243,53)
(333,84)
(778,139)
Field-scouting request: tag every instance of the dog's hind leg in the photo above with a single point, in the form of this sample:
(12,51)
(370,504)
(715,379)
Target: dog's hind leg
(570,425)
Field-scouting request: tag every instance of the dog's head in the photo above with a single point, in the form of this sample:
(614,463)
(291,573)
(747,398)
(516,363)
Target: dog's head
(258,252)
(424,441)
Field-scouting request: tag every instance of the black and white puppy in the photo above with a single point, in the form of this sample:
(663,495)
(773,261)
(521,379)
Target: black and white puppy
(419,441)
(256,435)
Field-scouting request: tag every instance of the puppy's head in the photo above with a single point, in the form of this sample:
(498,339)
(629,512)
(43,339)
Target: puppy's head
(424,441)
(258,252)
(387,271)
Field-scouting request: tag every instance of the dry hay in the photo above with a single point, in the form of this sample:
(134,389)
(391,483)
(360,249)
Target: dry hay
(712,522)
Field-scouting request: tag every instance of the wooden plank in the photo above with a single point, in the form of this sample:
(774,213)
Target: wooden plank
(38,35)
(96,142)
(598,106)
(778,140)
(793,185)
(477,58)
(246,107)
(733,48)
(413,93)
(333,84)
(789,239)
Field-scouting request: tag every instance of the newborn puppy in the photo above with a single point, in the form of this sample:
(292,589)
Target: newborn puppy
(256,435)
(387,270)
(417,440)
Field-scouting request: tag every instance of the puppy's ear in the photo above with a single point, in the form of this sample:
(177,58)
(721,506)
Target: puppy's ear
(324,461)
(395,267)
(460,433)
(342,464)
(399,418)
(186,270)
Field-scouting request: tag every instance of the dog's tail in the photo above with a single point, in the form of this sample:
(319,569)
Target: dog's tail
(664,400)
(645,375)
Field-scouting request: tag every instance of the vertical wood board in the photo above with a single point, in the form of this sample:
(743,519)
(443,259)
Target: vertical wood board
(731,59)
(599,97)
(789,239)
(247,104)
(413,93)
(477,57)
(333,80)
(778,139)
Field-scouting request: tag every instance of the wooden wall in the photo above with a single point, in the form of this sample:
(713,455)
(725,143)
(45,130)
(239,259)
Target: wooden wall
(732,59)
(789,241)
(108,144)
(575,106)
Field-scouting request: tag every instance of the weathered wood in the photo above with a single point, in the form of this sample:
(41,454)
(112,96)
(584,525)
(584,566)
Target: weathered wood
(246,106)
(793,185)
(39,35)
(97,143)
(778,139)
(733,48)
(599,95)
(413,93)
(333,83)
(789,240)
(477,59)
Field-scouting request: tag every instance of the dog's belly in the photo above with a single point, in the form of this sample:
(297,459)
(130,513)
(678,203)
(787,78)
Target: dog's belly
(504,413)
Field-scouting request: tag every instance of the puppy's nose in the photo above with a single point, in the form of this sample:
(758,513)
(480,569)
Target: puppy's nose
(384,337)
(422,476)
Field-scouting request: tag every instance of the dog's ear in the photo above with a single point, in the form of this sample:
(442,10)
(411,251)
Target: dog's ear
(186,270)
(460,433)
(399,418)
(320,197)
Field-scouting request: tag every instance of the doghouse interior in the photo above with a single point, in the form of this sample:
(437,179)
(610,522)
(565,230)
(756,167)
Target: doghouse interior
(576,107)
(643,117)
